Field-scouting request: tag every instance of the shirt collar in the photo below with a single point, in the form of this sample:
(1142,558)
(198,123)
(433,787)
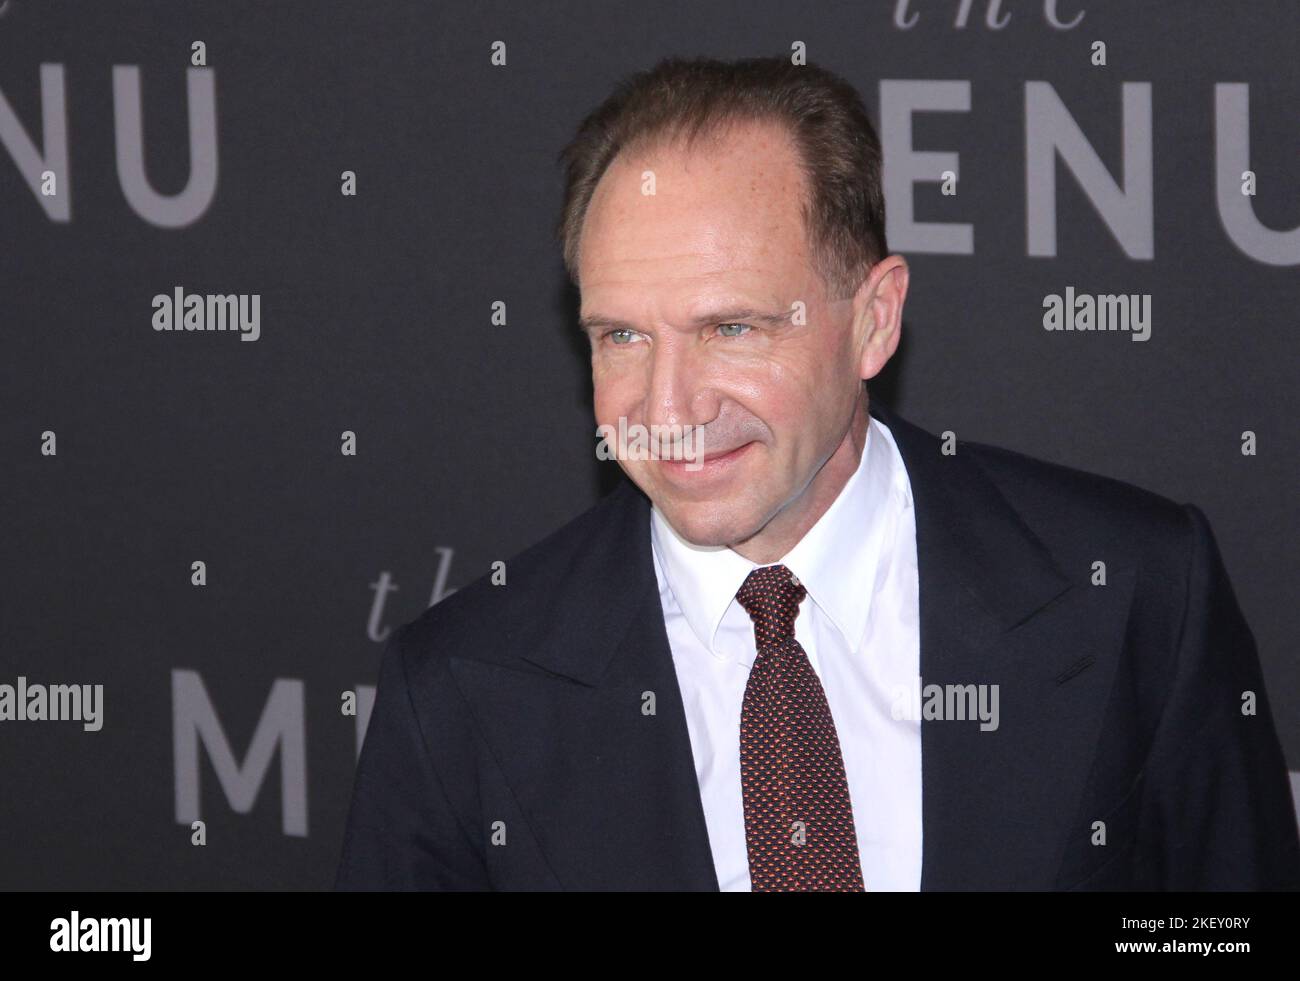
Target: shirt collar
(836,560)
(703,579)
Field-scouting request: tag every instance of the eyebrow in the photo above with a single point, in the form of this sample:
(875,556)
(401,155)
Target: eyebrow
(729,315)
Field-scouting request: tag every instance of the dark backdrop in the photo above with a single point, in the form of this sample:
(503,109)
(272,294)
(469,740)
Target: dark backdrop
(474,438)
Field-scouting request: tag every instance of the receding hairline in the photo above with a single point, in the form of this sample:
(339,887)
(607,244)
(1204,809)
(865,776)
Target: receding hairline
(690,99)
(701,137)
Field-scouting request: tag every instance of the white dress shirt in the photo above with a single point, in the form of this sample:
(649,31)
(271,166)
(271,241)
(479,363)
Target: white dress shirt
(858,623)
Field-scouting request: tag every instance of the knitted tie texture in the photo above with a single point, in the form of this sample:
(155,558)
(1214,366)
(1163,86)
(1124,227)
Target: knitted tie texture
(798,815)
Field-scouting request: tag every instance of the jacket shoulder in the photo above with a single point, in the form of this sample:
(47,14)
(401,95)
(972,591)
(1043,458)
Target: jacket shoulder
(482,620)
(1080,512)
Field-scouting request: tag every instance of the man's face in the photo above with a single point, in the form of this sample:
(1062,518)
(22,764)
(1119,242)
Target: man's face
(703,310)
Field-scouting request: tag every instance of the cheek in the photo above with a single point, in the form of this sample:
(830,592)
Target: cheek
(802,392)
(794,380)
(614,391)
(834,347)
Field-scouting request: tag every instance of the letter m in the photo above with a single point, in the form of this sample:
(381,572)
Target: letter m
(194,720)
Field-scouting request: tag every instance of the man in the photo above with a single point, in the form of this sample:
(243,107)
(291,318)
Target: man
(713,678)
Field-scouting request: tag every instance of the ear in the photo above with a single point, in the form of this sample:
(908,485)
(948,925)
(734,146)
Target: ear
(878,314)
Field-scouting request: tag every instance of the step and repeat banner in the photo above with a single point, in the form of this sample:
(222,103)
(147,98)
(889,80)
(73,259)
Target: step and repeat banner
(289,353)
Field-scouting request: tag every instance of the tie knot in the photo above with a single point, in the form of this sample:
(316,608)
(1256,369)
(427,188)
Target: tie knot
(771,596)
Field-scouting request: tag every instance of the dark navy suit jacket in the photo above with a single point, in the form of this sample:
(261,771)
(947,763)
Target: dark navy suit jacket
(507,746)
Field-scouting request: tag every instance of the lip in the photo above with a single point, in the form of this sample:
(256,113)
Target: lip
(710,465)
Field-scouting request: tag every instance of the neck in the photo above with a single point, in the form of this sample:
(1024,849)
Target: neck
(787,528)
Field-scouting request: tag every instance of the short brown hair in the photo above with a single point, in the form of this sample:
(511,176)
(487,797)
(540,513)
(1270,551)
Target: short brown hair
(837,144)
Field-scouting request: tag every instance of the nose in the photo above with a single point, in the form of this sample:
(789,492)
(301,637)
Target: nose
(677,392)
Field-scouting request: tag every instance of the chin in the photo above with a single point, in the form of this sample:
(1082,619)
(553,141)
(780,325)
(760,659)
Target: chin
(706,524)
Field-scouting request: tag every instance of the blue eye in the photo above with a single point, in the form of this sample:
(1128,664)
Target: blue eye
(615,334)
(723,329)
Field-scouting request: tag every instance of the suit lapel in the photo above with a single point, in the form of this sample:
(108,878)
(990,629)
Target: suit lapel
(996,610)
(607,786)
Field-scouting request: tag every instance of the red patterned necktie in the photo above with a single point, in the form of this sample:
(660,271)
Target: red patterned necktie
(798,816)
